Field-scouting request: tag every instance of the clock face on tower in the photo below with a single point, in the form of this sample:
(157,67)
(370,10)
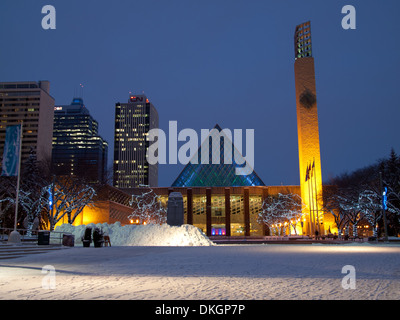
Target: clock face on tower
(307,99)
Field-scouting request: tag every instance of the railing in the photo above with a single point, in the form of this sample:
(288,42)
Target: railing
(56,237)
(5,232)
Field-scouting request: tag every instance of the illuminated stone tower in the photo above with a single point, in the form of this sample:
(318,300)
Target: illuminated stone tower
(307,131)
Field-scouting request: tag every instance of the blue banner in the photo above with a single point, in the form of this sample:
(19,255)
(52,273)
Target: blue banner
(11,151)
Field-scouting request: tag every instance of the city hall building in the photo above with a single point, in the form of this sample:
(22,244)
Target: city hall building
(223,203)
(226,211)
(218,200)
(215,198)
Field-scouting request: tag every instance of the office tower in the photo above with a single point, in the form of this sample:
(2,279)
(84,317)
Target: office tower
(28,102)
(133,120)
(77,147)
(307,128)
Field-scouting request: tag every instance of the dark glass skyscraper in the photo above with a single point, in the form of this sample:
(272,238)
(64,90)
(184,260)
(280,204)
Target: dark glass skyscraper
(133,120)
(77,147)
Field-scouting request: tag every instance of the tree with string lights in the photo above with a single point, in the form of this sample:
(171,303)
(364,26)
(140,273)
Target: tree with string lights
(148,208)
(282,212)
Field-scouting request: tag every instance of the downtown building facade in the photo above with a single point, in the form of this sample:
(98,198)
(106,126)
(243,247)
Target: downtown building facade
(133,121)
(29,103)
(78,149)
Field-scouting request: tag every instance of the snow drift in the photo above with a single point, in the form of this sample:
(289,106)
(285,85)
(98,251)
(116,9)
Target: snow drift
(143,235)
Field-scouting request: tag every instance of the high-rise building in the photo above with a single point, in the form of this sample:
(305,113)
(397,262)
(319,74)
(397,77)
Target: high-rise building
(77,147)
(28,102)
(133,120)
(307,129)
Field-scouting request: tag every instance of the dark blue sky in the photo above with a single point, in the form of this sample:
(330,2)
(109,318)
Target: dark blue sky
(226,62)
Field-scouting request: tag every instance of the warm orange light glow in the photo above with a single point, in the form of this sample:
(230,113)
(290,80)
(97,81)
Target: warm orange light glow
(309,151)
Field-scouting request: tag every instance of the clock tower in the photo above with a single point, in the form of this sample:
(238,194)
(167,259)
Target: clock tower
(308,132)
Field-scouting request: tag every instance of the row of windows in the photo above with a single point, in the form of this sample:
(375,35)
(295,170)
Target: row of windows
(15,115)
(5,106)
(19,86)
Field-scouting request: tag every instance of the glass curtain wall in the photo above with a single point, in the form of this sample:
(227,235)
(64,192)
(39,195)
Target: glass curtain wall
(218,216)
(237,215)
(256,228)
(199,212)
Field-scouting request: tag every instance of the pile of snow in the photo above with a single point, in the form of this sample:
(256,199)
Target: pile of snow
(143,235)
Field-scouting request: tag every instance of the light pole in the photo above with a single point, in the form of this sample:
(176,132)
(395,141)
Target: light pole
(384,206)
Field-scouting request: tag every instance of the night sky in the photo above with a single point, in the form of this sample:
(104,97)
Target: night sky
(226,62)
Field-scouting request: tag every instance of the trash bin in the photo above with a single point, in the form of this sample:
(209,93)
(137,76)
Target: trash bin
(175,215)
(68,240)
(43,237)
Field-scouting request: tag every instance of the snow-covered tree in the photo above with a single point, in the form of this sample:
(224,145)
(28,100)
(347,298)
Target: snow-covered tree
(331,205)
(43,195)
(148,208)
(30,204)
(371,207)
(390,170)
(354,211)
(369,178)
(32,181)
(358,206)
(282,212)
(66,196)
(393,201)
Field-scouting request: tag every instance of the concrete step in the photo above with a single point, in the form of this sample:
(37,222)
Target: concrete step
(9,255)
(8,251)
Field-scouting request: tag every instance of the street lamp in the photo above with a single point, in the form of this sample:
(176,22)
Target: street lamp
(384,205)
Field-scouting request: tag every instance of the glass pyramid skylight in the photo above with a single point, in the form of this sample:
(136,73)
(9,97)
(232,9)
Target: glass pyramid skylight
(216,175)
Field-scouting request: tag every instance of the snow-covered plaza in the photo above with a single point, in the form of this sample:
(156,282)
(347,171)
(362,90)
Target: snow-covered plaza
(205,272)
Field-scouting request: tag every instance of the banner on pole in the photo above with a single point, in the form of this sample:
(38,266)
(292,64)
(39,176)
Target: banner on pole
(11,151)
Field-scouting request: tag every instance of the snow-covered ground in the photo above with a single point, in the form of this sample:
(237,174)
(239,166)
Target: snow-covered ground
(205,272)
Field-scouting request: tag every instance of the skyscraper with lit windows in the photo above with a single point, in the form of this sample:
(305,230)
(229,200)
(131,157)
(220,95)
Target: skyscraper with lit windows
(133,120)
(77,147)
(28,102)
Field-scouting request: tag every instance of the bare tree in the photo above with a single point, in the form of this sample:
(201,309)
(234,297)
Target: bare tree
(331,205)
(148,208)
(350,186)
(371,207)
(30,204)
(34,177)
(67,196)
(281,212)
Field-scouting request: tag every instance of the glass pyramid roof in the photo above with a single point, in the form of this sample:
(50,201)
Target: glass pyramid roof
(216,175)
